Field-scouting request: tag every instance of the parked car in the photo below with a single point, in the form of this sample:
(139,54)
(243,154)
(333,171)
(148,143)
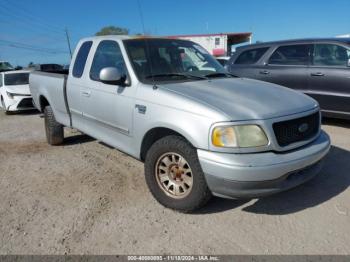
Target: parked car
(319,68)
(200,132)
(14,91)
(5,66)
(49,67)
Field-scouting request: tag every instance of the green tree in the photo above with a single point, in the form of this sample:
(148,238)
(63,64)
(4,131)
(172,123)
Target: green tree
(113,30)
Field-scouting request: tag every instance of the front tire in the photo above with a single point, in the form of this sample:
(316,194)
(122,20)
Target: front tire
(4,106)
(54,130)
(174,175)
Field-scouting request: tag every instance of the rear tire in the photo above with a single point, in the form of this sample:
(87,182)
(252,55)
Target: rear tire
(54,130)
(174,175)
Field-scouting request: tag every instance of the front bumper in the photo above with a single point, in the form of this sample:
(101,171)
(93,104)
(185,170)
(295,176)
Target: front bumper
(261,174)
(18,103)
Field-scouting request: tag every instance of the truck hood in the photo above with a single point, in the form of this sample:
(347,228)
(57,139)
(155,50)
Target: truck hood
(18,89)
(244,99)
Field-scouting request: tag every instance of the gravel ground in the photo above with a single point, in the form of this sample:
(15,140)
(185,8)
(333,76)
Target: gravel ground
(86,198)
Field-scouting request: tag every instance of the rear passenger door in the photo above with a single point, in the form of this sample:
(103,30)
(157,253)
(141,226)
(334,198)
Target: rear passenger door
(246,63)
(287,66)
(329,76)
(76,83)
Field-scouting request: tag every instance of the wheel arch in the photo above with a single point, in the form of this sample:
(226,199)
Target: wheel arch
(156,133)
(43,102)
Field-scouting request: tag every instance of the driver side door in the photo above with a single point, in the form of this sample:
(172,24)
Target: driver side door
(108,108)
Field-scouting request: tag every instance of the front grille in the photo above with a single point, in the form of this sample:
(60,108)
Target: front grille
(26,103)
(297,130)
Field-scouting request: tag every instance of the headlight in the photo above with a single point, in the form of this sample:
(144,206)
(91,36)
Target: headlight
(10,95)
(239,136)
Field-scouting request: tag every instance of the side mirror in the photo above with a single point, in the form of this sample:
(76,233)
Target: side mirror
(111,76)
(349,62)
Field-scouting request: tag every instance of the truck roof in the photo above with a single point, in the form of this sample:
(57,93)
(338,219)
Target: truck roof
(123,37)
(118,37)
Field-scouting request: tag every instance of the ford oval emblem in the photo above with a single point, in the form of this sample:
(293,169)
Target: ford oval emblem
(303,128)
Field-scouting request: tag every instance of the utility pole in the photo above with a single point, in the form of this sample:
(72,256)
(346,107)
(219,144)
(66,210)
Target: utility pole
(68,41)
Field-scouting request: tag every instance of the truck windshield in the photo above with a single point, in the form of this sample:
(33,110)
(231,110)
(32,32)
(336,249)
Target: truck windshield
(162,60)
(17,79)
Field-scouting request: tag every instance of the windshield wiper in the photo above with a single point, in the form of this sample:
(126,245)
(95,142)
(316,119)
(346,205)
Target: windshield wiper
(220,75)
(189,76)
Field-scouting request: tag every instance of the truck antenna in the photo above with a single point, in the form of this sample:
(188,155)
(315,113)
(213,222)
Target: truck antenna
(68,41)
(148,53)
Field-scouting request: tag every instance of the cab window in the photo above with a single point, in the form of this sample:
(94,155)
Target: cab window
(108,54)
(330,55)
(290,55)
(251,56)
(0,80)
(80,60)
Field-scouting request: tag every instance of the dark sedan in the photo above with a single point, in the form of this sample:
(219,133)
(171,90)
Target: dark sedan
(319,68)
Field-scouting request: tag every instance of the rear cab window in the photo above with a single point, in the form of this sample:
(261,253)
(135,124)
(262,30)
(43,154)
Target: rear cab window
(330,55)
(251,56)
(291,55)
(80,60)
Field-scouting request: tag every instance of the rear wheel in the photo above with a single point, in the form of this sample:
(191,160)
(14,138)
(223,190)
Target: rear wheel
(54,130)
(174,175)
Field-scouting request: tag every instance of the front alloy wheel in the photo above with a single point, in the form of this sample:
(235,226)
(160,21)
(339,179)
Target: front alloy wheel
(174,174)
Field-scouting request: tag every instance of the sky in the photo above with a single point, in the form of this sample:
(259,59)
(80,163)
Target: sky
(33,30)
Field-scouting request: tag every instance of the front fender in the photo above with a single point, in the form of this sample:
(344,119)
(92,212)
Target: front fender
(195,128)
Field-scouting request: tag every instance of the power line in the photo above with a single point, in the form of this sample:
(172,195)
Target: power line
(27,23)
(32,23)
(27,13)
(25,16)
(31,47)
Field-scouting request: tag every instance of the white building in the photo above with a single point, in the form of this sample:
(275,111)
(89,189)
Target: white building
(220,44)
(348,35)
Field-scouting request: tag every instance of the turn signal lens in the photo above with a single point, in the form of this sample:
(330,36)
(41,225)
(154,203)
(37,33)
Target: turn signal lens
(224,137)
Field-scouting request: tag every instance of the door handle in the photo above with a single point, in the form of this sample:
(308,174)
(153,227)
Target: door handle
(86,93)
(317,74)
(264,72)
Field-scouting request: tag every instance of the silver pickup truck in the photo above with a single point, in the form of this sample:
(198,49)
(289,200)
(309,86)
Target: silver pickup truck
(199,130)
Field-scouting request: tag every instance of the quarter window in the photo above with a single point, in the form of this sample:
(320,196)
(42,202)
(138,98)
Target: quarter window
(251,56)
(291,55)
(0,80)
(108,54)
(80,60)
(330,55)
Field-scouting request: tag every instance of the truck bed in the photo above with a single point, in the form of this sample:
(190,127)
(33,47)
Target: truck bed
(51,86)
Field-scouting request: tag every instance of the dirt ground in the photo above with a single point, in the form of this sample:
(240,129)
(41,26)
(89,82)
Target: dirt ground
(86,198)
